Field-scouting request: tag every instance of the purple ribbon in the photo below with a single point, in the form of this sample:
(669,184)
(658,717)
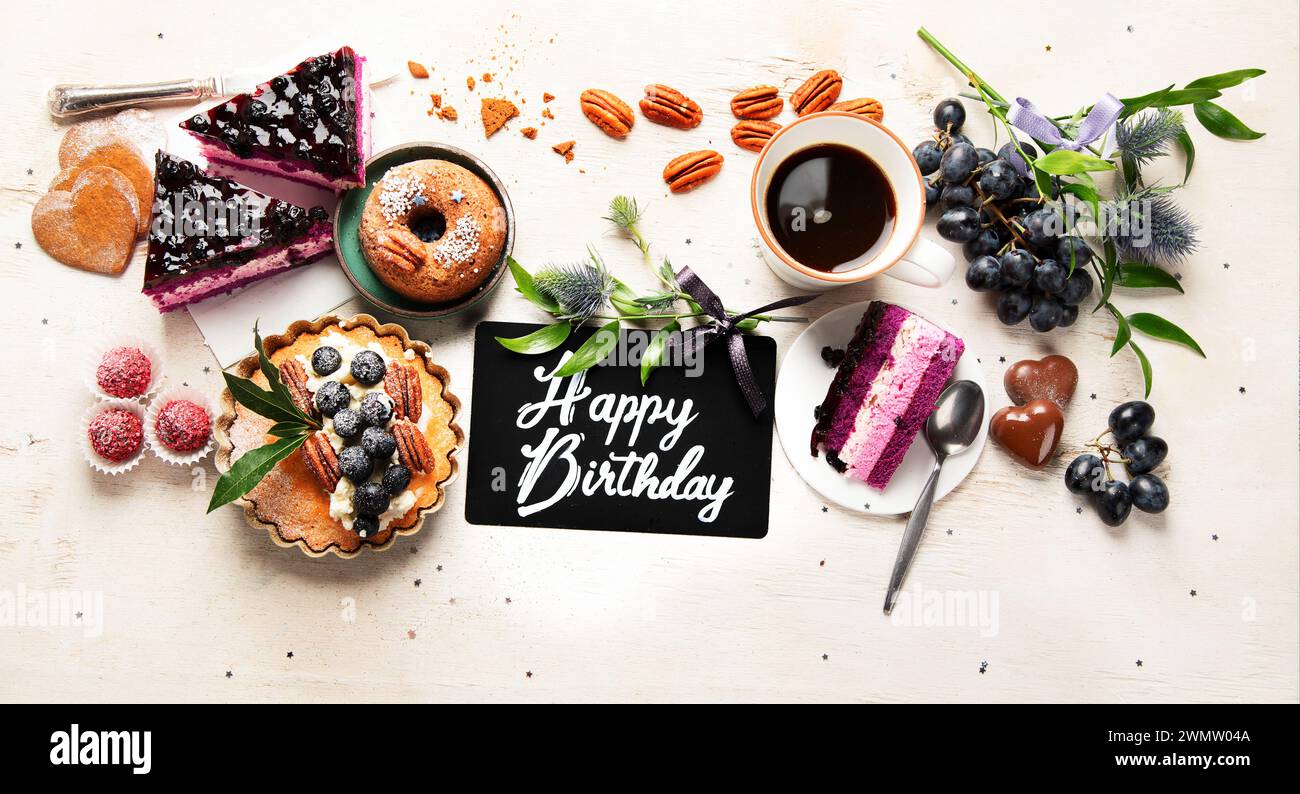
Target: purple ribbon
(1024,116)
(723,326)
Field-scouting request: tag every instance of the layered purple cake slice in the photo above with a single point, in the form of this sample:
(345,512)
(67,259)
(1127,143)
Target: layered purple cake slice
(310,124)
(210,235)
(893,371)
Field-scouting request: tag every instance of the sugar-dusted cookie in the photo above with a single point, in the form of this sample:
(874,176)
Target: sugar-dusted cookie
(92,225)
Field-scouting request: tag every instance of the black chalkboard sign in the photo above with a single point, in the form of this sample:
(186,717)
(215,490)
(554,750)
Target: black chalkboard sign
(682,455)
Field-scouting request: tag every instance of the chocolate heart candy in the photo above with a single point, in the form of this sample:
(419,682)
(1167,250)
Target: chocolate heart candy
(1051,378)
(1030,432)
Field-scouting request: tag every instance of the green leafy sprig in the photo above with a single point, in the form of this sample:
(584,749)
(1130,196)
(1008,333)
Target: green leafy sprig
(1147,130)
(292,427)
(578,292)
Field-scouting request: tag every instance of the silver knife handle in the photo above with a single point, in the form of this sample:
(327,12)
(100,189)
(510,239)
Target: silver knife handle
(74,100)
(912,536)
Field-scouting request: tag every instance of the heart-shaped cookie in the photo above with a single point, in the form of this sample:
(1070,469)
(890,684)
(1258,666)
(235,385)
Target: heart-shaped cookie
(1051,378)
(1029,432)
(124,158)
(92,225)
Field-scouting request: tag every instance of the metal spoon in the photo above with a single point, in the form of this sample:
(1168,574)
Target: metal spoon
(950,429)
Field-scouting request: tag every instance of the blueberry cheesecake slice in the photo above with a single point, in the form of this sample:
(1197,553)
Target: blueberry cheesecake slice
(211,235)
(310,124)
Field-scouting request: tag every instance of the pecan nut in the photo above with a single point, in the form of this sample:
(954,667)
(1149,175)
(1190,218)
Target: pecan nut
(294,378)
(871,108)
(692,170)
(403,385)
(759,103)
(319,455)
(412,447)
(670,107)
(400,252)
(753,135)
(817,93)
(608,112)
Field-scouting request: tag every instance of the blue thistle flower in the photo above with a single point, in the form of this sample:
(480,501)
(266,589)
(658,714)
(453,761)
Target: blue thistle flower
(1148,136)
(581,288)
(1152,227)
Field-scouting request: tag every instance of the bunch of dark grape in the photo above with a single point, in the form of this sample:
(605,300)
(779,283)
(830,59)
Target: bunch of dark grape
(1089,474)
(1007,233)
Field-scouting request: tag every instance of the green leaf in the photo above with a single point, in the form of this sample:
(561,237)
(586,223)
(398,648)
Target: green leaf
(1167,97)
(543,340)
(1136,104)
(1155,326)
(260,401)
(1065,162)
(1139,275)
(1226,79)
(1123,333)
(287,429)
(1108,273)
(1042,181)
(1086,193)
(653,356)
(666,273)
(249,470)
(269,370)
(1189,152)
(592,352)
(748,324)
(1146,367)
(524,283)
(1222,123)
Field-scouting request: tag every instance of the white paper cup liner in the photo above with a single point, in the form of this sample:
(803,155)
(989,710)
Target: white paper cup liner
(97,352)
(102,464)
(167,395)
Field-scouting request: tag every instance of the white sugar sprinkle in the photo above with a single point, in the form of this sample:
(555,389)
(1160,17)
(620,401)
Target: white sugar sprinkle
(460,244)
(397,196)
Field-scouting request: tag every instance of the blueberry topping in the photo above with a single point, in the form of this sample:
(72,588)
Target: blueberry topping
(356,464)
(378,442)
(326,360)
(368,367)
(365,526)
(370,499)
(376,409)
(347,423)
(318,214)
(199,123)
(396,478)
(332,397)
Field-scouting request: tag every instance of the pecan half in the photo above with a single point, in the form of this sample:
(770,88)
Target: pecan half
(294,378)
(817,93)
(401,253)
(753,135)
(757,103)
(670,107)
(412,448)
(320,458)
(403,385)
(871,108)
(692,170)
(608,112)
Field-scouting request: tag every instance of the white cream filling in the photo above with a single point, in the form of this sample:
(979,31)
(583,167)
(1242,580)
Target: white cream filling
(879,387)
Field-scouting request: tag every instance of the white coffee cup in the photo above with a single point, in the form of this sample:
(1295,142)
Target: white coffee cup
(906,255)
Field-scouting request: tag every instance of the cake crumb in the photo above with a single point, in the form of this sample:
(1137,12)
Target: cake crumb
(469,82)
(564,149)
(547,114)
(548,96)
(448,113)
(487,77)
(417,70)
(529,132)
(496,112)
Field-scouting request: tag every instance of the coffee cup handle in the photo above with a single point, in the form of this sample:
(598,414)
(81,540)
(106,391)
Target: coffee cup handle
(927,264)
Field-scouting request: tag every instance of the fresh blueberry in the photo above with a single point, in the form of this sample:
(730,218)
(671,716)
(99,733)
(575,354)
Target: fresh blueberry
(986,243)
(999,180)
(370,499)
(367,367)
(326,360)
(949,115)
(1076,246)
(1149,493)
(957,196)
(1014,305)
(332,397)
(1009,148)
(1077,287)
(958,162)
(927,155)
(1113,503)
(1045,313)
(1084,474)
(376,409)
(1049,276)
(364,525)
(1131,420)
(986,155)
(932,193)
(1017,267)
(984,274)
(1145,453)
(959,224)
(1068,316)
(379,443)
(1040,227)
(396,478)
(347,423)
(356,464)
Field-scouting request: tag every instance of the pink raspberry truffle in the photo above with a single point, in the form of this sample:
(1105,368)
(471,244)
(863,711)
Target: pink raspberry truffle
(183,426)
(115,435)
(124,372)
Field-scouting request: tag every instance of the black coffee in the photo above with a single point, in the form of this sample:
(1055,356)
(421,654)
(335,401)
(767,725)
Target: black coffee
(829,205)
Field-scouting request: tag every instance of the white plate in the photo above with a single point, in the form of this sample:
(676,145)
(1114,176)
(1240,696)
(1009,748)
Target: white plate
(801,386)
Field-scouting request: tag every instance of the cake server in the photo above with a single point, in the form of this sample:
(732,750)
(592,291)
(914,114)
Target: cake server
(950,429)
(67,100)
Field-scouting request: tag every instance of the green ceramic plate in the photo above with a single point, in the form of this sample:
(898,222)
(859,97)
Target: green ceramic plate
(347,230)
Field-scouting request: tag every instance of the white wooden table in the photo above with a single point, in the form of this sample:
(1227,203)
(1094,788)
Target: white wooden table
(205,608)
